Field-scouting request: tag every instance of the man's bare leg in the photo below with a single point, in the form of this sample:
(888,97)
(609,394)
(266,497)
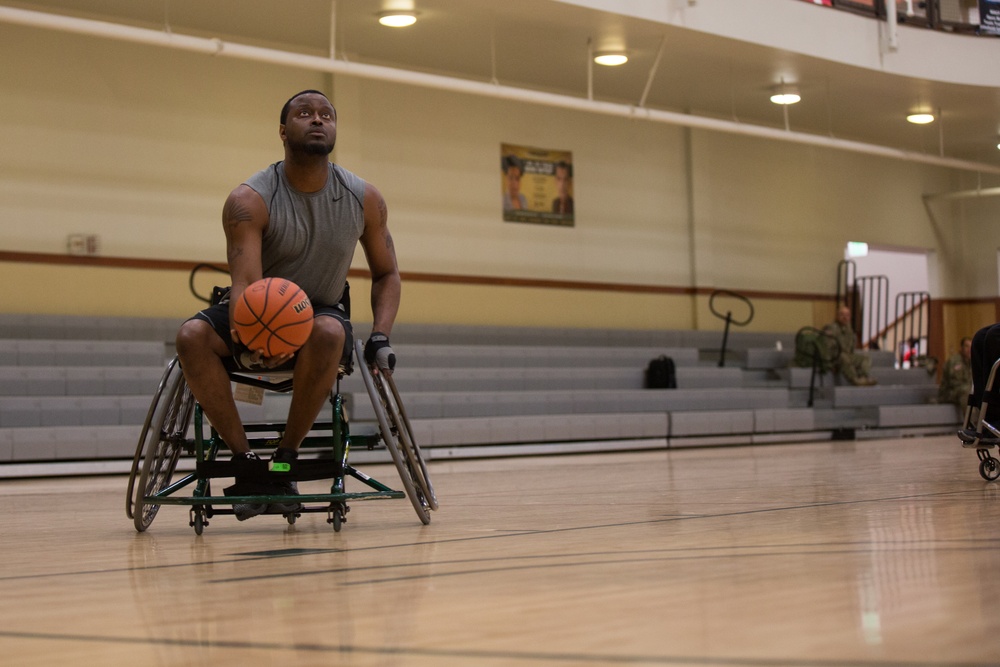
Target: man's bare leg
(315,372)
(200,351)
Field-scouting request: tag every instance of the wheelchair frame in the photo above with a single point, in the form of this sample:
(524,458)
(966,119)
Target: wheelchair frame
(978,433)
(167,434)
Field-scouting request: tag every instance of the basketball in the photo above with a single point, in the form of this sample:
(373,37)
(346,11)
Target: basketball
(273,316)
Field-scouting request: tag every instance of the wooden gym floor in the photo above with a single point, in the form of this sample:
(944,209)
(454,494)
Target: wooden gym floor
(842,553)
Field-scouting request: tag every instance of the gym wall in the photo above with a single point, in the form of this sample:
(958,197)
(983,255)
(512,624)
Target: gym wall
(140,146)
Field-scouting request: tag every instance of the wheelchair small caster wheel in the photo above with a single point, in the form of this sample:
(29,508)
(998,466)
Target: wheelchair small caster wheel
(291,518)
(989,468)
(198,522)
(337,518)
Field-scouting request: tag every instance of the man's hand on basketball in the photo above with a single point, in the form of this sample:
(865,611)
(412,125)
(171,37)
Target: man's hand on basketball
(255,358)
(379,352)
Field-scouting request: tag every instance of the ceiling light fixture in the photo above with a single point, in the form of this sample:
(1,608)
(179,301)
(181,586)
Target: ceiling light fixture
(397,19)
(611,58)
(786,95)
(921,118)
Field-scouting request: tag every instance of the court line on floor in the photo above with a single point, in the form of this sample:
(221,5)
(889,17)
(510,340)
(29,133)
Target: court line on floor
(563,558)
(551,531)
(532,657)
(504,535)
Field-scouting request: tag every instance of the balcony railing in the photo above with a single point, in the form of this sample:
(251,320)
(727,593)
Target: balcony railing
(962,16)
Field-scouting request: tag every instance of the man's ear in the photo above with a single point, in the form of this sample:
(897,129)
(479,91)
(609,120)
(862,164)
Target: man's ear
(281,132)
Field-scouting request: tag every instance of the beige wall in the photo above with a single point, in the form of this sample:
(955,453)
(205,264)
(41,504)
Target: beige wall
(140,146)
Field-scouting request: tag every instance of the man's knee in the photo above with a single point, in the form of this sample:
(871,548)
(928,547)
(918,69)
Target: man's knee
(197,335)
(328,335)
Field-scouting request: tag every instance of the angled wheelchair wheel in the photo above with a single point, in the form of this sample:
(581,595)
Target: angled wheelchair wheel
(397,415)
(398,439)
(160,443)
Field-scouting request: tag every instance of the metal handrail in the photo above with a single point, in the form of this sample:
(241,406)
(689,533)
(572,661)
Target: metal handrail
(728,317)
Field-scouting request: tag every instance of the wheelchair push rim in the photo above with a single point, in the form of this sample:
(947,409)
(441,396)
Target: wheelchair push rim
(160,443)
(413,454)
(398,440)
(137,460)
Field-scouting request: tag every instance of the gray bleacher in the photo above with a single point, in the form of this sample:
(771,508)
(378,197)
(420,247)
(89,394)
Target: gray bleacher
(78,389)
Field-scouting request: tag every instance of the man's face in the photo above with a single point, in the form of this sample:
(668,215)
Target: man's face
(311,125)
(967,349)
(844,316)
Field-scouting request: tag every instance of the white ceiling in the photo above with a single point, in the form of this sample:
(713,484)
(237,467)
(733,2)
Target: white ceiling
(543,45)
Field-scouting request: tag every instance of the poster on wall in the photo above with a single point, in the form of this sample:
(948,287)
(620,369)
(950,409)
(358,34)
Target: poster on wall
(989,17)
(536,185)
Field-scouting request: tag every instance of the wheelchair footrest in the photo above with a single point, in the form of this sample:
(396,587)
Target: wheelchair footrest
(326,498)
(973,440)
(258,472)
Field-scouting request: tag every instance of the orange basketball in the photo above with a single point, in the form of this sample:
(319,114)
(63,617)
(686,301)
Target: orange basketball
(273,316)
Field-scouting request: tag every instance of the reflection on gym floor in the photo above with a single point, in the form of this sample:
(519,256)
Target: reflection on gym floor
(846,553)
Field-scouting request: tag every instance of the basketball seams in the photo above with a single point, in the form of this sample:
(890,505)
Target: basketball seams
(263,330)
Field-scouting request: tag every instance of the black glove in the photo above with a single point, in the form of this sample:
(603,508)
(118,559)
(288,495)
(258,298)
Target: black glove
(378,352)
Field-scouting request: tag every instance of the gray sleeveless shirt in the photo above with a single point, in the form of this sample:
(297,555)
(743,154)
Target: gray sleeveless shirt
(311,236)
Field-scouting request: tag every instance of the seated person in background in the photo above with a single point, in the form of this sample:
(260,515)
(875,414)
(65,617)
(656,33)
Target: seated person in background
(854,366)
(956,377)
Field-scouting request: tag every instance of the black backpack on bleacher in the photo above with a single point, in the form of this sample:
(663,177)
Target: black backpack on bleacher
(661,374)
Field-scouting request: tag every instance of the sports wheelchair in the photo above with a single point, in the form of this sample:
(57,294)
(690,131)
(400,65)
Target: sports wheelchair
(978,433)
(175,427)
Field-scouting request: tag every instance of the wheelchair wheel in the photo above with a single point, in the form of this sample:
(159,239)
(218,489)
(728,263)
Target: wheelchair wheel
(989,468)
(398,440)
(416,461)
(160,444)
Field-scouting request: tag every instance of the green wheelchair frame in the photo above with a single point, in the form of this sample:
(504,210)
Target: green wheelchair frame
(175,426)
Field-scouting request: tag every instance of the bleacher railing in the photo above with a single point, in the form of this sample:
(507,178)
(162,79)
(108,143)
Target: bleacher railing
(871,316)
(911,328)
(947,15)
(727,300)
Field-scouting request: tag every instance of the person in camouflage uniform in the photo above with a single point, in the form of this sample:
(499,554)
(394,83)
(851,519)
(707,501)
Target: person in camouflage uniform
(956,377)
(854,366)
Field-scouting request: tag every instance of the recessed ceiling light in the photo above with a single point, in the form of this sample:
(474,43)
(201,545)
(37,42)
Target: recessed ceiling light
(920,118)
(397,19)
(611,59)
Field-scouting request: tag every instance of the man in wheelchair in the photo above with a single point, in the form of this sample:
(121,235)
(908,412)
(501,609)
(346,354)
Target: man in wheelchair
(300,219)
(982,414)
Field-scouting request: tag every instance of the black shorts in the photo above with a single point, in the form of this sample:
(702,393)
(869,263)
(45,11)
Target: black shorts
(217,317)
